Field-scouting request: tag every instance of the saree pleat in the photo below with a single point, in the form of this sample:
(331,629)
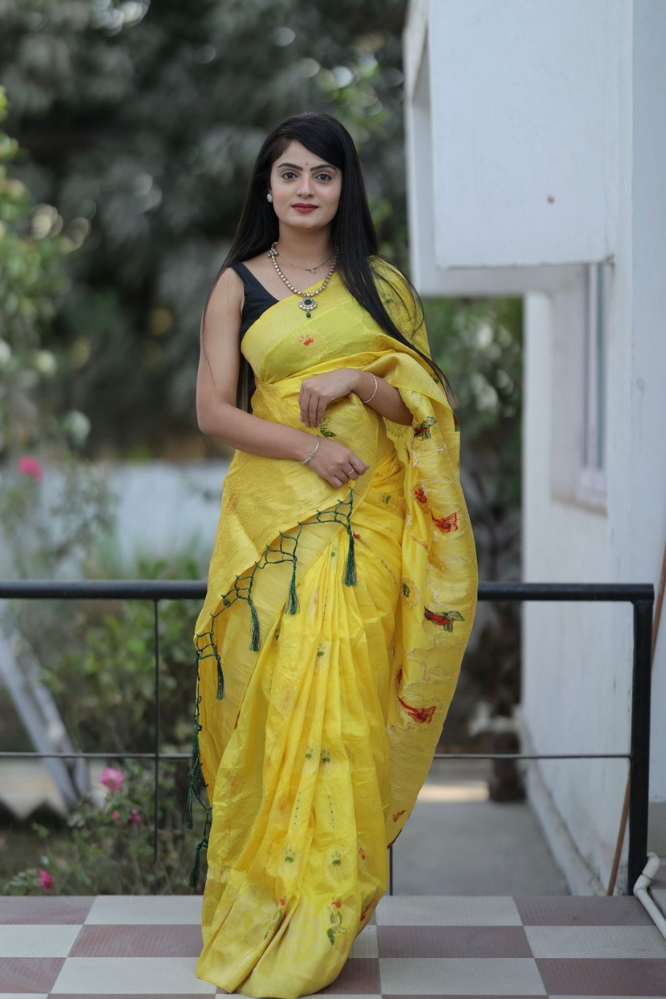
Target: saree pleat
(328,651)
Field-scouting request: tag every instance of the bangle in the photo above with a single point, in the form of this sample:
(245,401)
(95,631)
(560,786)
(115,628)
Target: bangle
(304,461)
(376,384)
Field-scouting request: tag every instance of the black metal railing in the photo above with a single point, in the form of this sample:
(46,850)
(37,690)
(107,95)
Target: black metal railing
(639,595)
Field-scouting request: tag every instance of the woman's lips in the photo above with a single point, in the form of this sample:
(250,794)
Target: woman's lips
(305,208)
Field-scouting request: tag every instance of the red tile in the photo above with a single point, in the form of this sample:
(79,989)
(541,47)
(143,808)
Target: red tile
(29,974)
(582,910)
(603,976)
(360,975)
(452,941)
(63,909)
(115,940)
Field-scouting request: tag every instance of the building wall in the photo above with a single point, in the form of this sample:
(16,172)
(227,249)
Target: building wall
(577,658)
(536,142)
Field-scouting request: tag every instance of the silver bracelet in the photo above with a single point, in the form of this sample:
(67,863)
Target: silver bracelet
(304,461)
(376,384)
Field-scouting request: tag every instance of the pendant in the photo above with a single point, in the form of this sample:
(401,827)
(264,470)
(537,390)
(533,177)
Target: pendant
(308,304)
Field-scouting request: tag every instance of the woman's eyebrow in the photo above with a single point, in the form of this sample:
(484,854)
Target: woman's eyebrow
(318,167)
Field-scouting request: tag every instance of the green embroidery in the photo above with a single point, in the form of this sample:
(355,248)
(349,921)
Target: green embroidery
(324,429)
(336,920)
(443,618)
(423,429)
(277,918)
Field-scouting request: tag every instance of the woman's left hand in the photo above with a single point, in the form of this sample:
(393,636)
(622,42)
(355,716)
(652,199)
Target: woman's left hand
(318,390)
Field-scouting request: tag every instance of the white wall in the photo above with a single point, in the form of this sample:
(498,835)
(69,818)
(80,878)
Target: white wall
(162,509)
(508,104)
(577,658)
(519,171)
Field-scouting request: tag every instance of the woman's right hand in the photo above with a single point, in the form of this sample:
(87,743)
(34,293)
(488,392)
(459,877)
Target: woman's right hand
(335,462)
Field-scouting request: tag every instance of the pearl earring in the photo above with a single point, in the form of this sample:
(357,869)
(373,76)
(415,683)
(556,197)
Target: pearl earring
(269,196)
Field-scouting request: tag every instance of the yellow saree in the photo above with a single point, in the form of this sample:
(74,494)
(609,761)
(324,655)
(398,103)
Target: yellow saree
(328,650)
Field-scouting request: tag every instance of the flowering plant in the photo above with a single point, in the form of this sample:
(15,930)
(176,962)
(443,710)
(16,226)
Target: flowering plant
(109,846)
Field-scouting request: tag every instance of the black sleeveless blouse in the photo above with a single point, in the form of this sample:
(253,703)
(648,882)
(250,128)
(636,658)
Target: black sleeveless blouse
(257,298)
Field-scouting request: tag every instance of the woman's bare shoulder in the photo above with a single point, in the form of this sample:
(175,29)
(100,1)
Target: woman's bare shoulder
(227,294)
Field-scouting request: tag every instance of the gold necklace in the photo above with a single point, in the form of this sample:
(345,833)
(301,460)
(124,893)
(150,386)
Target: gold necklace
(310,270)
(308,303)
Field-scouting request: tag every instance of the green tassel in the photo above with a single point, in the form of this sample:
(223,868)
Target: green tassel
(188,807)
(254,644)
(220,681)
(194,772)
(292,599)
(350,568)
(194,873)
(194,758)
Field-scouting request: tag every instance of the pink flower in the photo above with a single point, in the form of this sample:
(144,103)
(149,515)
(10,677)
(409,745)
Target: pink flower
(45,879)
(30,465)
(135,817)
(112,778)
(115,815)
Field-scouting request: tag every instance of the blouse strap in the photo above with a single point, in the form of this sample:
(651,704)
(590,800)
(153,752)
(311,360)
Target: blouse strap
(246,274)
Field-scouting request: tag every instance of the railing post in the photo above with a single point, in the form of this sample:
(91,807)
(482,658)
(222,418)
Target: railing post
(156,793)
(639,761)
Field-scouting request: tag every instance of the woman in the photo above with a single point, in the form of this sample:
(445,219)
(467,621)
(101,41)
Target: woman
(343,582)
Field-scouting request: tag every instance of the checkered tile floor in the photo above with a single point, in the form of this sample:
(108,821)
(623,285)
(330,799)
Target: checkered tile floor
(450,946)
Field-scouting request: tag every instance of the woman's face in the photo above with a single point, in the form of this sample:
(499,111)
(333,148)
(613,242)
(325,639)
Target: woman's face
(301,177)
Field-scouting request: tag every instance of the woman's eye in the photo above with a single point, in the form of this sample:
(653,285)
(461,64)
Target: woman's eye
(290,173)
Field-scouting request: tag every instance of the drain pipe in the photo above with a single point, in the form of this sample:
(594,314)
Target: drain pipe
(643,895)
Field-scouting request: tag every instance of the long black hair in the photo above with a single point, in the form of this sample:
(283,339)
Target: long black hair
(352,229)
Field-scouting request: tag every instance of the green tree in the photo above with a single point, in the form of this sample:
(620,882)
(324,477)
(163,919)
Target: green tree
(33,250)
(143,121)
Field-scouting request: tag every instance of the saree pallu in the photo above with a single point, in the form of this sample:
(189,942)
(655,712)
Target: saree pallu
(328,648)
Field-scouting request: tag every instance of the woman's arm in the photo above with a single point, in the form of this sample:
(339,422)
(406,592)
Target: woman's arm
(217,380)
(387,400)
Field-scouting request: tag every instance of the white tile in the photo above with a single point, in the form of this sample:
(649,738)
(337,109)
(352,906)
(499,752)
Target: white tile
(447,910)
(596,941)
(460,976)
(122,975)
(142,909)
(37,940)
(365,944)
